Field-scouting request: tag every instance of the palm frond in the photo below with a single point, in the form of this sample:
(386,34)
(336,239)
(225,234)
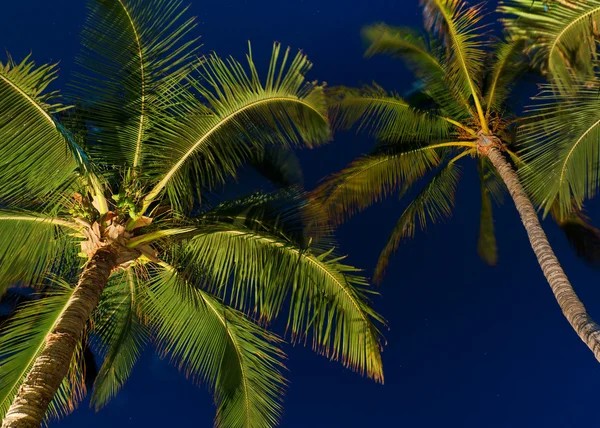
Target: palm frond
(508,65)
(22,339)
(458,25)
(260,270)
(561,148)
(583,237)
(37,160)
(562,36)
(386,116)
(433,203)
(279,165)
(424,58)
(120,334)
(371,178)
(33,245)
(131,52)
(206,143)
(212,342)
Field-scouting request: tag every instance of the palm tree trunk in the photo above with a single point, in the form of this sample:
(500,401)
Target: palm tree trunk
(571,306)
(49,369)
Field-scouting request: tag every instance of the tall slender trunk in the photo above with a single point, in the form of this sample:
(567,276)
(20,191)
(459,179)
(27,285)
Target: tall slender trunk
(571,306)
(49,369)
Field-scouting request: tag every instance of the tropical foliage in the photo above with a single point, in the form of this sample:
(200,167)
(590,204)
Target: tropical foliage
(152,130)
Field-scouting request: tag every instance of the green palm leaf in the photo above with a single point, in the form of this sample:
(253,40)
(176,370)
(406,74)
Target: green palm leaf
(208,142)
(121,335)
(433,203)
(131,53)
(562,38)
(33,245)
(210,341)
(37,159)
(486,244)
(561,148)
(260,270)
(371,178)
(22,339)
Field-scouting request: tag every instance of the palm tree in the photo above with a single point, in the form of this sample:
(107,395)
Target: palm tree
(458,111)
(113,196)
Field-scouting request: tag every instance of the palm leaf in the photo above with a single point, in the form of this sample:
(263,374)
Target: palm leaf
(33,245)
(210,341)
(22,339)
(259,270)
(208,142)
(433,203)
(371,178)
(562,38)
(458,26)
(486,244)
(120,334)
(131,53)
(37,160)
(561,148)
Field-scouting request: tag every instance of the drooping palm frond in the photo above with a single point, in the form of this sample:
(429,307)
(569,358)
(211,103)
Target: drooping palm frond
(22,339)
(507,66)
(279,165)
(120,334)
(561,148)
(424,58)
(259,269)
(386,116)
(583,237)
(371,178)
(33,245)
(131,52)
(207,142)
(212,342)
(38,162)
(433,203)
(458,26)
(486,243)
(562,35)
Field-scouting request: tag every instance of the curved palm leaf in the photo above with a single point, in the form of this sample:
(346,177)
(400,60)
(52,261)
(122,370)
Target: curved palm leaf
(259,269)
(37,160)
(211,341)
(131,52)
(121,335)
(207,143)
(434,202)
(23,338)
(486,244)
(33,245)
(562,37)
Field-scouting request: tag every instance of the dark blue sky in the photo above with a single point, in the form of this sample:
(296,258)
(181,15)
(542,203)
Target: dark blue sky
(469,346)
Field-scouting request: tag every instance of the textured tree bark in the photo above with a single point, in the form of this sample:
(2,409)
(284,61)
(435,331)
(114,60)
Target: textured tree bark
(49,369)
(571,306)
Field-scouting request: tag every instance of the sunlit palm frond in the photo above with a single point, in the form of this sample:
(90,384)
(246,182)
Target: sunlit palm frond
(561,148)
(562,35)
(424,58)
(458,26)
(212,342)
(386,116)
(37,160)
(22,339)
(131,52)
(507,66)
(206,143)
(371,178)
(433,203)
(119,333)
(33,245)
(261,269)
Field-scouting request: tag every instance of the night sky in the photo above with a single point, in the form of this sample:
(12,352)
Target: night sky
(468,346)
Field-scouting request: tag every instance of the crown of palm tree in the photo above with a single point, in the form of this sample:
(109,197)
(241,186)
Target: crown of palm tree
(152,129)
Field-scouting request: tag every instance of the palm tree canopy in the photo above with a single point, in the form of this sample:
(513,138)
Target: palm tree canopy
(152,129)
